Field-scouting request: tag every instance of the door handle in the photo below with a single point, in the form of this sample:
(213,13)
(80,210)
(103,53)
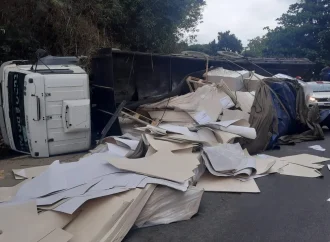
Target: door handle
(38,109)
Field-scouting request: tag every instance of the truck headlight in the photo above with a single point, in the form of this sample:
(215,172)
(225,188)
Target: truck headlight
(312,99)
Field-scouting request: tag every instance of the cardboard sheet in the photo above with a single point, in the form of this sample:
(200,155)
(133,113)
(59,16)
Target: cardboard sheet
(73,192)
(178,130)
(16,220)
(246,132)
(234,114)
(171,116)
(227,102)
(278,163)
(23,224)
(150,151)
(207,136)
(298,170)
(238,127)
(163,164)
(58,235)
(127,219)
(245,99)
(264,166)
(52,206)
(59,177)
(204,101)
(98,216)
(305,160)
(175,185)
(8,193)
(228,160)
(161,145)
(74,203)
(29,173)
(218,184)
(179,138)
(225,137)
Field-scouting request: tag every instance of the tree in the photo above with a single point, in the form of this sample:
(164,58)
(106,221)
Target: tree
(210,48)
(229,42)
(226,42)
(78,27)
(255,47)
(304,31)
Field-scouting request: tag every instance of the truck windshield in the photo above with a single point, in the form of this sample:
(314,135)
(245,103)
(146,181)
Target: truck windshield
(16,110)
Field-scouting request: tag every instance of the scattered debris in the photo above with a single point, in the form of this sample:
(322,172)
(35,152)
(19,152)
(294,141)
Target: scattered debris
(147,176)
(317,147)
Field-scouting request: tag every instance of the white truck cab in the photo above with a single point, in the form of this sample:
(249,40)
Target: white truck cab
(45,110)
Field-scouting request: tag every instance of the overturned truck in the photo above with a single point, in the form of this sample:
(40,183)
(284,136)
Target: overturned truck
(52,106)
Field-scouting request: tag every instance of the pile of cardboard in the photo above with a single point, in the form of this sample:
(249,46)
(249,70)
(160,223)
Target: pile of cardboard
(155,174)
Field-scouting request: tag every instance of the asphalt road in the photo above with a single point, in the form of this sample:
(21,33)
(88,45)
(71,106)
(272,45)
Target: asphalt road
(287,209)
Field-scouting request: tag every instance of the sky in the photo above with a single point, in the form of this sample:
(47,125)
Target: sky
(245,18)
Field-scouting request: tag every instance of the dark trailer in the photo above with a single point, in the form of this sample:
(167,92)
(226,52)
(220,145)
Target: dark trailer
(135,76)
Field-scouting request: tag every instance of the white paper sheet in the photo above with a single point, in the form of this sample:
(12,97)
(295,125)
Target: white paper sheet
(317,147)
(226,102)
(68,175)
(49,181)
(117,151)
(73,192)
(202,117)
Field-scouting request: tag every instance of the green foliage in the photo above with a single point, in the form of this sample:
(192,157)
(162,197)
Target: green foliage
(229,42)
(78,27)
(255,47)
(226,42)
(304,31)
(210,48)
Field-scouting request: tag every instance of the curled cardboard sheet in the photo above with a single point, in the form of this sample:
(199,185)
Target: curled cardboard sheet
(240,127)
(228,160)
(246,132)
(225,137)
